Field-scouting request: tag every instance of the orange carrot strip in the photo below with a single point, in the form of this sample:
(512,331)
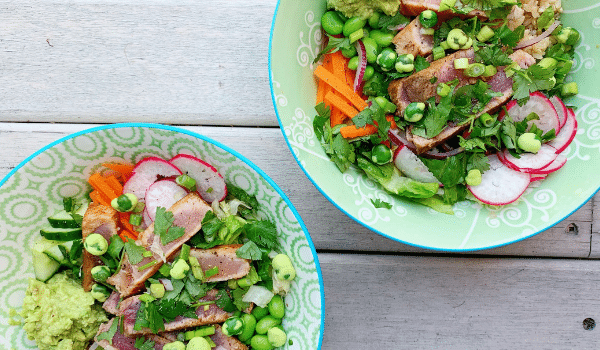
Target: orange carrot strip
(321,90)
(351,131)
(124,169)
(124,219)
(390,118)
(350,75)
(340,103)
(99,183)
(114,184)
(337,117)
(341,87)
(340,64)
(125,234)
(98,197)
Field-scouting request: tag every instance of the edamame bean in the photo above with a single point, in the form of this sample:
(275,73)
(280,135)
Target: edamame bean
(332,23)
(260,312)
(371,49)
(266,323)
(277,306)
(382,39)
(374,20)
(353,63)
(249,326)
(369,71)
(353,24)
(349,52)
(260,342)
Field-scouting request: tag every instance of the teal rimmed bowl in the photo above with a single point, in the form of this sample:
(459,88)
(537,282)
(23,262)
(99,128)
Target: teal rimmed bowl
(34,190)
(295,41)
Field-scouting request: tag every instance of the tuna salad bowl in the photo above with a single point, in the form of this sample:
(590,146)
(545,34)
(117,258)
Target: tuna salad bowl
(452,125)
(145,236)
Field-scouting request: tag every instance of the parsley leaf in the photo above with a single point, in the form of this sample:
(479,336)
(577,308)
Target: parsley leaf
(149,317)
(263,233)
(378,203)
(134,252)
(249,251)
(163,226)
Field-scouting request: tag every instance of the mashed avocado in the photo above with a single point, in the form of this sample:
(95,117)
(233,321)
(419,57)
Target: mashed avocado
(364,8)
(60,315)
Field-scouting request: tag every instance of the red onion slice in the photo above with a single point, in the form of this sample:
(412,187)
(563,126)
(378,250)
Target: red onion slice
(166,283)
(362,64)
(397,27)
(538,38)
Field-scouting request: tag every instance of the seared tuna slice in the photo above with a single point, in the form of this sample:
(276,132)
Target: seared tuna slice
(188,213)
(410,40)
(122,342)
(111,305)
(415,7)
(207,314)
(223,257)
(499,83)
(226,342)
(418,87)
(103,220)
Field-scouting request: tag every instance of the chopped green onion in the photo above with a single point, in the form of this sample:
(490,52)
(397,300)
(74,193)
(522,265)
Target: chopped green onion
(135,219)
(443,89)
(487,120)
(569,89)
(447,5)
(139,207)
(211,272)
(204,303)
(147,254)
(204,331)
(485,34)
(196,269)
(427,31)
(147,298)
(490,71)
(165,270)
(186,181)
(185,252)
(461,63)
(444,45)
(474,70)
(359,34)
(151,263)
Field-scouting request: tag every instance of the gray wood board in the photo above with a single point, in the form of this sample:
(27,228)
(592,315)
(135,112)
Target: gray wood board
(330,229)
(404,302)
(185,62)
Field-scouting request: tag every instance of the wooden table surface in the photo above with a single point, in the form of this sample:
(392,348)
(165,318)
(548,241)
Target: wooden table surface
(67,65)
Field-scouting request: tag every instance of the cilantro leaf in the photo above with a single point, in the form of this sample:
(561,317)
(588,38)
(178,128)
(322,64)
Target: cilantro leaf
(171,308)
(110,333)
(163,226)
(263,233)
(135,253)
(420,63)
(248,199)
(237,295)
(224,301)
(149,317)
(144,344)
(378,203)
(333,44)
(450,171)
(343,153)
(249,251)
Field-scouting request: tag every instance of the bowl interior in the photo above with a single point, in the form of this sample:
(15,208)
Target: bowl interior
(34,190)
(296,39)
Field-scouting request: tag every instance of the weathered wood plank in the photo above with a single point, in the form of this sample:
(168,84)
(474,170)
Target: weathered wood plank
(330,229)
(595,241)
(185,62)
(394,302)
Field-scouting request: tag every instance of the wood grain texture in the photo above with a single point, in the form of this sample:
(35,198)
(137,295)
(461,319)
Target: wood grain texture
(401,302)
(174,62)
(330,229)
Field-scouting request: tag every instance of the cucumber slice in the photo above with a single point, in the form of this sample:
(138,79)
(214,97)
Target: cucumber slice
(82,209)
(61,234)
(43,266)
(62,219)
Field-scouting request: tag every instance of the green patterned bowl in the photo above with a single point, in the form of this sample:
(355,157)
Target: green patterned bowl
(33,191)
(295,41)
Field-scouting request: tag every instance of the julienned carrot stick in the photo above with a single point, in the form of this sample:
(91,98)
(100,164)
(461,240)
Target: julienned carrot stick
(125,234)
(341,87)
(100,198)
(351,131)
(337,117)
(341,104)
(123,169)
(321,91)
(114,184)
(124,219)
(99,184)
(340,64)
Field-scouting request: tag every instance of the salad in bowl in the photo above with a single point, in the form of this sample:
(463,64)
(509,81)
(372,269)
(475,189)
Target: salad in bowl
(147,237)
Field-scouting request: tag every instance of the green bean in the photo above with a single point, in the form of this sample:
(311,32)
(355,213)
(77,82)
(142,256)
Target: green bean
(332,23)
(353,63)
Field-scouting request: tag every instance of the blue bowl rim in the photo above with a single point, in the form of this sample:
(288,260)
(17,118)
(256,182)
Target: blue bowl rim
(457,250)
(220,145)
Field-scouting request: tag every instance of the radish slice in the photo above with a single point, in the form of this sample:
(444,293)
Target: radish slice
(209,183)
(567,133)
(538,177)
(145,173)
(561,111)
(538,104)
(411,166)
(554,166)
(362,64)
(162,193)
(500,185)
(530,162)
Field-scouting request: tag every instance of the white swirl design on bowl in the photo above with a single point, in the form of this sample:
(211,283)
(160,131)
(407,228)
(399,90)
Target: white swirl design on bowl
(280,98)
(308,51)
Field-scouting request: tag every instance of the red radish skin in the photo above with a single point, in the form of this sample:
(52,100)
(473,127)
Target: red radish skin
(500,185)
(561,111)
(558,163)
(162,193)
(537,103)
(530,162)
(567,133)
(145,173)
(538,177)
(411,166)
(210,184)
